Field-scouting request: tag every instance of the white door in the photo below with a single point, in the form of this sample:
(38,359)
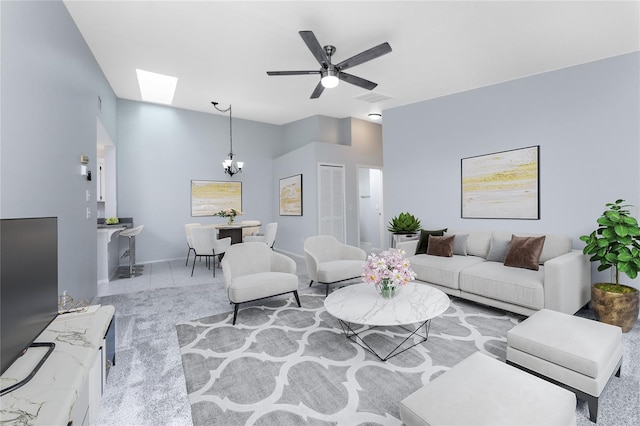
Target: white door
(331,201)
(371,225)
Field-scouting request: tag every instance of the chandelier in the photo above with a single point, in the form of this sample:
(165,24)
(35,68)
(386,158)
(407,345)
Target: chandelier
(231,166)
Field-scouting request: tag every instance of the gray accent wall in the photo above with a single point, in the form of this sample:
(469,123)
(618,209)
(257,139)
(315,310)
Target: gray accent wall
(354,143)
(586,120)
(160,149)
(50,83)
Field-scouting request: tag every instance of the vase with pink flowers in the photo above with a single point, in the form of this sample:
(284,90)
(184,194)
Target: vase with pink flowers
(388,271)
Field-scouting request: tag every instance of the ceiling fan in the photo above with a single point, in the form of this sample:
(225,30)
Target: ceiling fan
(331,74)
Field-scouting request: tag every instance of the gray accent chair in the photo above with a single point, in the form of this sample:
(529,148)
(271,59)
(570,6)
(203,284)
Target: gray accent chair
(252,271)
(330,261)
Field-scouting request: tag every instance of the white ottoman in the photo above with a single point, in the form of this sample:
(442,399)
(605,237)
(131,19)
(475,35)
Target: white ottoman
(576,353)
(483,391)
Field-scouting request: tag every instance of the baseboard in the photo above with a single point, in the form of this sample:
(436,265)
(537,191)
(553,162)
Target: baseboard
(290,254)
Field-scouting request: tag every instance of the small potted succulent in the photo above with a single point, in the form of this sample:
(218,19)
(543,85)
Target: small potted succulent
(404,223)
(404,227)
(615,244)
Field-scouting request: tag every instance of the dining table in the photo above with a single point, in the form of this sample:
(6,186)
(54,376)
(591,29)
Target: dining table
(234,230)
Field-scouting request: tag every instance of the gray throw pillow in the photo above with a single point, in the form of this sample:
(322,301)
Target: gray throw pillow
(460,244)
(498,249)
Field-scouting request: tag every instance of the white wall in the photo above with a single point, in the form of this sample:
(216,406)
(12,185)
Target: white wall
(50,85)
(585,119)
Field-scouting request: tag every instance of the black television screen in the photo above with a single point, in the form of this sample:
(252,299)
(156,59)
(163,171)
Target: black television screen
(28,283)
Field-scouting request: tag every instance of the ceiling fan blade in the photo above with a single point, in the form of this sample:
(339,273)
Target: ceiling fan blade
(314,46)
(360,82)
(367,55)
(292,72)
(317,91)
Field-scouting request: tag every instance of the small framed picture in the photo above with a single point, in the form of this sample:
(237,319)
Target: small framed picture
(291,196)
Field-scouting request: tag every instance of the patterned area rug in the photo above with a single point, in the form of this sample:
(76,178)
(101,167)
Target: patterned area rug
(284,365)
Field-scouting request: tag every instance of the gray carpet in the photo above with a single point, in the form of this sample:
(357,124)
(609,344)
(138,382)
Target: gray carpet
(284,365)
(147,385)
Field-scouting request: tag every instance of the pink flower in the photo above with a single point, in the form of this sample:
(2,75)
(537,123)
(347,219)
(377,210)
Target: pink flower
(388,265)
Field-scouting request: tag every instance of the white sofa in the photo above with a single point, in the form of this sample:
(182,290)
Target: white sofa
(562,283)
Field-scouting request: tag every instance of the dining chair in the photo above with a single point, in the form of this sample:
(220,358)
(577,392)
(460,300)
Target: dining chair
(205,244)
(187,232)
(250,230)
(269,237)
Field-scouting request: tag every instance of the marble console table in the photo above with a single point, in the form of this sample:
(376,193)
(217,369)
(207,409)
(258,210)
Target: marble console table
(68,386)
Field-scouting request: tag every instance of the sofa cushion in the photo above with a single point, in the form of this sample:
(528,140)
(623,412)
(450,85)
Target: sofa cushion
(442,271)
(524,252)
(517,286)
(477,243)
(423,242)
(498,249)
(460,244)
(440,246)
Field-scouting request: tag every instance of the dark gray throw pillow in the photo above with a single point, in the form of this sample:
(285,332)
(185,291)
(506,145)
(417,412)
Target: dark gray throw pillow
(498,249)
(423,242)
(460,244)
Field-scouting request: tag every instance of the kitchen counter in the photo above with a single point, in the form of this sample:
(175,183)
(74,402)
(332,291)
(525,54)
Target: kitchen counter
(109,247)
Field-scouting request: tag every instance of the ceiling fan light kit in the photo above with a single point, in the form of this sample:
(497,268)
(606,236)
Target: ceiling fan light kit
(330,74)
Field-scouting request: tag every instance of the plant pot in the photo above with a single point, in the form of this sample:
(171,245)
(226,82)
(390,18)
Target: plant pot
(619,309)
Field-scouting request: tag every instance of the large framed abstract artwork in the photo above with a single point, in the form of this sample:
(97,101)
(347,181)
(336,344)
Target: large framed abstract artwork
(291,196)
(208,197)
(502,185)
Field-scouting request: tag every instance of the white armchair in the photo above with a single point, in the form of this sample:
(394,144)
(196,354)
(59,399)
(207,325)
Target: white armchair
(329,261)
(253,271)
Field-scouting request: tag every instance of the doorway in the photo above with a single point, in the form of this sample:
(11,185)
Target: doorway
(371,227)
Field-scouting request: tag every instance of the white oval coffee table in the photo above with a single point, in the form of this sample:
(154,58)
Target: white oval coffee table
(361,304)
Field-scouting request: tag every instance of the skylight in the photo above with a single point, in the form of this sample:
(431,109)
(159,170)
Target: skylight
(155,87)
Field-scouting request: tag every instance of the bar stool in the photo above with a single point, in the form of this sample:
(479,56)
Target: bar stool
(131,251)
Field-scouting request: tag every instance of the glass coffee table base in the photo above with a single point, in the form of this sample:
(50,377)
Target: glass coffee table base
(354,336)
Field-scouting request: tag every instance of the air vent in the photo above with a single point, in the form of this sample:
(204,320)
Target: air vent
(373,97)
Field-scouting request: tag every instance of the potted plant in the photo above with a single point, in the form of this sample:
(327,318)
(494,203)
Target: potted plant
(404,223)
(615,244)
(403,227)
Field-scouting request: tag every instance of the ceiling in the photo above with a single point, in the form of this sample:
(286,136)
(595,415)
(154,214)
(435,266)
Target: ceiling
(221,50)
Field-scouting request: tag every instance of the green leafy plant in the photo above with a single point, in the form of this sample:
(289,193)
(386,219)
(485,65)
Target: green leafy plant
(111,220)
(404,223)
(616,242)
